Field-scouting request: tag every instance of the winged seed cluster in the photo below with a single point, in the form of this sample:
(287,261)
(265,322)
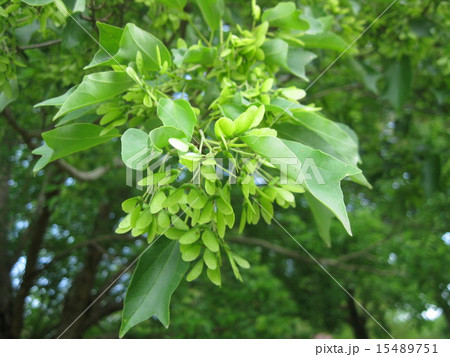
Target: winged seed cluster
(218,116)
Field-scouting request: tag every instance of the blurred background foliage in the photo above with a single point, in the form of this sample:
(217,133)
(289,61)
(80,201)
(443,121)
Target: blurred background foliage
(58,253)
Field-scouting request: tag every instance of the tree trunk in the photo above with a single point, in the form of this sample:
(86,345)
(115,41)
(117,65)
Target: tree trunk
(80,294)
(5,281)
(357,321)
(34,236)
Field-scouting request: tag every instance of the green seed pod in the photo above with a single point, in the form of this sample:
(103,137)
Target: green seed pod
(173,209)
(190,236)
(229,220)
(243,121)
(195,216)
(135,232)
(257,214)
(156,203)
(266,210)
(285,195)
(250,213)
(209,173)
(214,276)
(134,216)
(178,223)
(245,189)
(210,187)
(139,62)
(191,160)
(259,54)
(258,116)
(151,235)
(144,219)
(163,219)
(293,93)
(234,267)
(169,177)
(210,240)
(147,101)
(107,107)
(195,271)
(244,264)
(224,127)
(223,207)
(267,85)
(210,259)
(110,116)
(256,11)
(243,220)
(173,233)
(191,253)
(206,213)
(220,224)
(265,99)
(124,225)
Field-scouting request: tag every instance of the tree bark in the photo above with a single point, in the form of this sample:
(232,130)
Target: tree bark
(5,265)
(74,320)
(357,321)
(34,236)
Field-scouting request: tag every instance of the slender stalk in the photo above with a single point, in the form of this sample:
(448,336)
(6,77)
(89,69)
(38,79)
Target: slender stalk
(198,32)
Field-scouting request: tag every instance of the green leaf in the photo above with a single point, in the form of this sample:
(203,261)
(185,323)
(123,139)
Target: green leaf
(324,41)
(324,170)
(134,39)
(321,133)
(398,78)
(82,115)
(322,216)
(277,52)
(46,158)
(200,55)
(37,2)
(297,59)
(109,39)
(75,5)
(135,147)
(179,114)
(160,136)
(285,15)
(179,145)
(157,275)
(56,101)
(69,139)
(95,88)
(212,11)
(6,98)
(174,3)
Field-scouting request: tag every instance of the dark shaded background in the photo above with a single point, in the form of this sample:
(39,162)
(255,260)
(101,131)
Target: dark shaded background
(58,251)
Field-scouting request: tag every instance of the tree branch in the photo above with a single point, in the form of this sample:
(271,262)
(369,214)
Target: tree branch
(323,261)
(94,241)
(82,175)
(40,45)
(27,137)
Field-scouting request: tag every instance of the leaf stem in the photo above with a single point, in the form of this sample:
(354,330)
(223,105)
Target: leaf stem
(199,32)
